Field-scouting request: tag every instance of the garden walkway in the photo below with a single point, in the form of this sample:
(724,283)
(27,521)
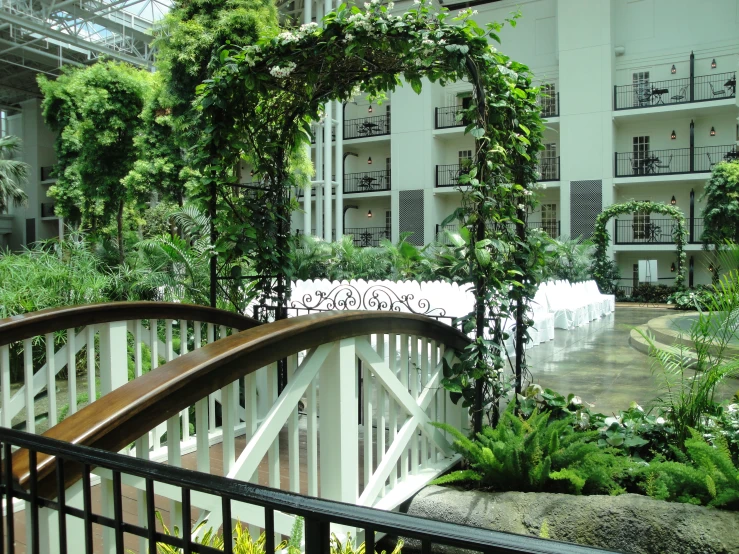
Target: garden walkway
(597,363)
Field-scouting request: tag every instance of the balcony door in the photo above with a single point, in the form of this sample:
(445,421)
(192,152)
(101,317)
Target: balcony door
(549,162)
(641,225)
(641,88)
(549,219)
(640,150)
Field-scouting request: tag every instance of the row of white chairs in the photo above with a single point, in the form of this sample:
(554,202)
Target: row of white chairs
(574,304)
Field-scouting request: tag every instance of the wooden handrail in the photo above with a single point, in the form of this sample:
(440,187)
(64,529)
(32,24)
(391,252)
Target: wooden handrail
(125,414)
(26,326)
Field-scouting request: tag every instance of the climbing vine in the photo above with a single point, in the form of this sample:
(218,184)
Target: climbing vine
(602,239)
(260,104)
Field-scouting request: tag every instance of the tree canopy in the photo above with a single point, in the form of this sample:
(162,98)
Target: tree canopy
(95,112)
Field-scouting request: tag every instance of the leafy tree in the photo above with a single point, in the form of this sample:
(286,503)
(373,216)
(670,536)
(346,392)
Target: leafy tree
(13,173)
(188,43)
(95,112)
(721,215)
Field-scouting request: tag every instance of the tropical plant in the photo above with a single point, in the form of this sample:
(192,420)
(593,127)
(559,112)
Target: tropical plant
(245,544)
(537,453)
(689,376)
(721,213)
(570,259)
(705,475)
(13,174)
(696,298)
(243,541)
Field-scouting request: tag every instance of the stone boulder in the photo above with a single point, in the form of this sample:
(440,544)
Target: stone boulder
(626,523)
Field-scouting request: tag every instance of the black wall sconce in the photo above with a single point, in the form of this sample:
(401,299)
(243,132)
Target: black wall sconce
(713,63)
(673,136)
(672,200)
(672,267)
(369,160)
(369,110)
(673,70)
(369,213)
(713,132)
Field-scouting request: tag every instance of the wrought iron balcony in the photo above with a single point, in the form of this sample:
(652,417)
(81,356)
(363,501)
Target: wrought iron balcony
(549,104)
(367,236)
(446,118)
(448,175)
(366,181)
(548,169)
(717,86)
(654,231)
(364,127)
(552,228)
(697,159)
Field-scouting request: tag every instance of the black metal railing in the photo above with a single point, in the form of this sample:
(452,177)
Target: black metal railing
(644,231)
(313,138)
(47,209)
(673,161)
(650,94)
(448,175)
(317,513)
(696,230)
(445,118)
(708,156)
(551,228)
(654,162)
(366,181)
(367,236)
(442,237)
(364,127)
(549,104)
(548,169)
(716,86)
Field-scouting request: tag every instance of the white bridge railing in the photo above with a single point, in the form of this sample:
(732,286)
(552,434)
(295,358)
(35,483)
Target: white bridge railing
(306,439)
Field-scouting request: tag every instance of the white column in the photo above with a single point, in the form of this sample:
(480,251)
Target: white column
(327,167)
(339,153)
(319,182)
(113,374)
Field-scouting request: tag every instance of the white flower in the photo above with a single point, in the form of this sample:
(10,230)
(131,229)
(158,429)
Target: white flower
(442,41)
(521,207)
(282,72)
(309,26)
(390,5)
(528,192)
(427,42)
(349,37)
(474,12)
(366,5)
(576,401)
(660,420)
(287,37)
(416,2)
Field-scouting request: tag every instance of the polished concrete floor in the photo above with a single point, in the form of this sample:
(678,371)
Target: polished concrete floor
(597,363)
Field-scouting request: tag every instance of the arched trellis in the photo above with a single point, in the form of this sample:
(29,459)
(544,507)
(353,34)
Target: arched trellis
(602,239)
(260,104)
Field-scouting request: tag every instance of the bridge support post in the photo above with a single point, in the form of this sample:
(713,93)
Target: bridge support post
(338,424)
(113,374)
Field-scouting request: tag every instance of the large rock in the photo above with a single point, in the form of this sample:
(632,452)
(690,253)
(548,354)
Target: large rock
(626,523)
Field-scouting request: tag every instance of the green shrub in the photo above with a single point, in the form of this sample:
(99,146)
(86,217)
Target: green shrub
(537,454)
(697,298)
(651,294)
